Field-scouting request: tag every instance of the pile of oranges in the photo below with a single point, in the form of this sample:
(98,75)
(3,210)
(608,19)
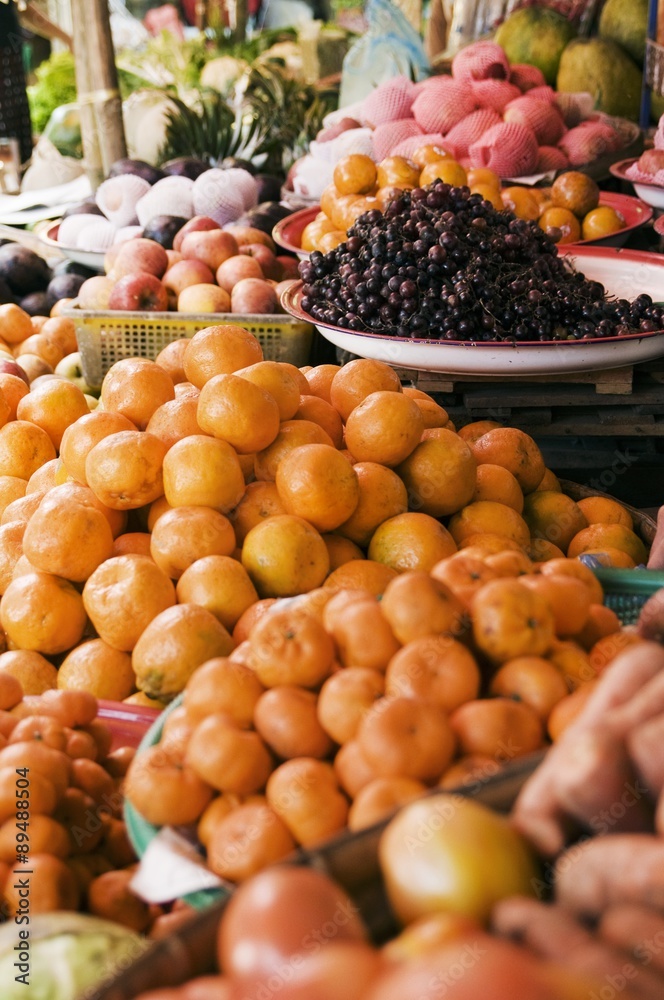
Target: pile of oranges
(569,210)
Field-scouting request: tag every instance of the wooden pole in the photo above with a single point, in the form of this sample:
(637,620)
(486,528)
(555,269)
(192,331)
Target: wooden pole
(97,85)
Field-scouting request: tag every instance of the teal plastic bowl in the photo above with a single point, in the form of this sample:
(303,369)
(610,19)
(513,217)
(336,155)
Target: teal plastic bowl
(141,833)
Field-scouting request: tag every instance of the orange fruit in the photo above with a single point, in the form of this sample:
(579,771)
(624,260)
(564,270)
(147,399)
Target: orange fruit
(286,718)
(319,379)
(481,544)
(279,380)
(406,737)
(43,347)
(238,411)
(77,493)
(46,477)
(15,324)
(24,448)
(494,482)
(289,647)
(305,794)
(53,406)
(560,224)
(488,193)
(510,620)
(284,555)
(448,171)
(500,728)
(380,798)
(202,471)
(122,597)
(62,331)
(11,550)
(352,768)
(221,686)
(173,645)
(540,550)
(567,709)
(136,387)
(67,538)
(575,568)
(42,612)
(609,556)
(521,201)
(164,789)
(601,621)
(340,550)
(398,171)
(98,668)
(549,481)
(415,604)
(124,469)
(259,501)
(411,541)
(174,420)
(616,536)
(354,174)
(605,649)
(221,585)
(132,542)
(439,474)
(554,517)
(575,191)
(474,430)
(292,434)
(385,428)
(488,517)
(602,221)
(80,437)
(55,887)
(357,379)
(531,680)
(429,153)
(33,671)
(436,668)
(233,855)
(318,483)
(382,495)
(13,389)
(514,450)
(227,757)
(366,574)
(183,535)
(319,411)
(219,350)
(464,574)
(349,617)
(171,359)
(433,413)
(345,698)
(508,563)
(603,510)
(314,231)
(573,662)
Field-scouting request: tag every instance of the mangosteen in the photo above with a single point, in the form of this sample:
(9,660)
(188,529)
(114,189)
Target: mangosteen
(138,167)
(6,294)
(83,208)
(237,161)
(23,269)
(269,187)
(163,229)
(64,286)
(37,304)
(73,267)
(185,166)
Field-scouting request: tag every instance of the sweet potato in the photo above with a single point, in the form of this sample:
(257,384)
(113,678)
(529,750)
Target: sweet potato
(558,935)
(636,929)
(605,871)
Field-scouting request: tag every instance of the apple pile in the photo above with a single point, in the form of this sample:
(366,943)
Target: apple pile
(209,270)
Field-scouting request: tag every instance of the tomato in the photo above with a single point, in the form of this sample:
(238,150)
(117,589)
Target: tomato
(447,852)
(280,913)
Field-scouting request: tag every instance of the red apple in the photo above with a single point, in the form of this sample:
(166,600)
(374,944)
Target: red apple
(197,223)
(212,246)
(186,273)
(289,266)
(249,234)
(265,258)
(95,292)
(173,257)
(140,255)
(140,292)
(204,298)
(236,268)
(13,368)
(253,295)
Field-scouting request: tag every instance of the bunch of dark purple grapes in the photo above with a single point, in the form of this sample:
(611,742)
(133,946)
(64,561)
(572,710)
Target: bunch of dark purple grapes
(443,264)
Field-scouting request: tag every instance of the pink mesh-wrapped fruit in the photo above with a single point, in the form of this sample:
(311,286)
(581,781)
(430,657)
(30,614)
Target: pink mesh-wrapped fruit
(509,149)
(574,107)
(386,137)
(544,93)
(551,158)
(389,102)
(589,141)
(470,129)
(526,76)
(544,119)
(408,145)
(481,61)
(440,105)
(494,94)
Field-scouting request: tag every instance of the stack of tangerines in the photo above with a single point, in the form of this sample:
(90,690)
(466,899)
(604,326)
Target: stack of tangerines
(568,211)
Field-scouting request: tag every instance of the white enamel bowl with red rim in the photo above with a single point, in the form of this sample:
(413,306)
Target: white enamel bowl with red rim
(288,232)
(651,194)
(624,273)
(93,259)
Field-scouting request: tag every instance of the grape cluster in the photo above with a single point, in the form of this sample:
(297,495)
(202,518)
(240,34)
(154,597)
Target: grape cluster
(441,263)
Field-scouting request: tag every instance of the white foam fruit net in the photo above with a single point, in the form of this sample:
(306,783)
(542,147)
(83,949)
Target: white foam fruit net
(118,196)
(354,140)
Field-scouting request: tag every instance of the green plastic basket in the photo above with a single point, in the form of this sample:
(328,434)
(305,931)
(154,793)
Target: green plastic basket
(627,590)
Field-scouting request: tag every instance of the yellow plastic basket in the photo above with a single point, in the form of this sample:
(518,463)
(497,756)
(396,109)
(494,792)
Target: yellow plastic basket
(106,337)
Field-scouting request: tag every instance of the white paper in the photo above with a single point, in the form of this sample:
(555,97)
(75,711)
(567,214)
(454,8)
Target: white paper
(170,868)
(43,203)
